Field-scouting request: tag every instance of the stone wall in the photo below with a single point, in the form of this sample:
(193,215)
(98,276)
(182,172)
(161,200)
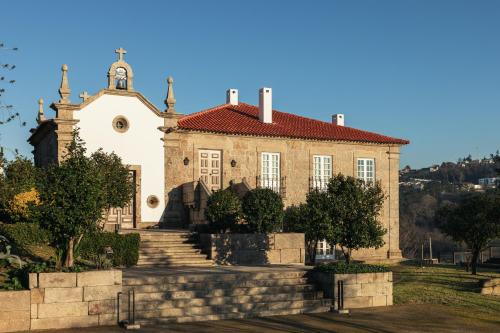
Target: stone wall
(296,165)
(255,249)
(491,287)
(62,300)
(14,311)
(362,290)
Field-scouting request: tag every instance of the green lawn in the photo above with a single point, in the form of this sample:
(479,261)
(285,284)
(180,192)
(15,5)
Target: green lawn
(448,285)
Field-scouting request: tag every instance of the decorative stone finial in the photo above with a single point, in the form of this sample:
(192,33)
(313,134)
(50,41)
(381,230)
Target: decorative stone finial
(41,114)
(120,53)
(170,101)
(84,95)
(64,90)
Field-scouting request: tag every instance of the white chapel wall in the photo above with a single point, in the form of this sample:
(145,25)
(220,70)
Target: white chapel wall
(140,145)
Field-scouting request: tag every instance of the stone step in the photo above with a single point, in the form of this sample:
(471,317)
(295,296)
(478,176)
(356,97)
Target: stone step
(145,318)
(221,292)
(166,237)
(168,251)
(218,301)
(202,277)
(145,245)
(180,262)
(171,256)
(166,241)
(229,308)
(180,258)
(160,287)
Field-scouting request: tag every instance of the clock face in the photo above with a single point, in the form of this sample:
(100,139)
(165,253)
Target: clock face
(121,73)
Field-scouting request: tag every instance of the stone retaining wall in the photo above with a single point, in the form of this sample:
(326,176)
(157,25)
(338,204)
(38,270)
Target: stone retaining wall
(491,287)
(255,249)
(62,300)
(361,290)
(14,311)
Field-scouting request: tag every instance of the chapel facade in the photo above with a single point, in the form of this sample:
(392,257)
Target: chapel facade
(178,160)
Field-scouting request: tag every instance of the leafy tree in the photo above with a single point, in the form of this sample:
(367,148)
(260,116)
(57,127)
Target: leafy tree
(354,208)
(475,221)
(19,176)
(313,219)
(223,210)
(74,195)
(117,183)
(263,210)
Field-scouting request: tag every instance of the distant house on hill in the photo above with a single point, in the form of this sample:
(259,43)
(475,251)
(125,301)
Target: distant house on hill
(489,182)
(434,168)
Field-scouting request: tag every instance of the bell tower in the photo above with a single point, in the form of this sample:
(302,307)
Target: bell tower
(120,75)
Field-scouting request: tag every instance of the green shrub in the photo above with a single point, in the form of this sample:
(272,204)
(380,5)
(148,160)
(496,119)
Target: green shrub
(263,210)
(352,268)
(125,247)
(223,211)
(21,234)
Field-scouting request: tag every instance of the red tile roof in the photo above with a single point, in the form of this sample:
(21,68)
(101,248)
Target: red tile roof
(243,119)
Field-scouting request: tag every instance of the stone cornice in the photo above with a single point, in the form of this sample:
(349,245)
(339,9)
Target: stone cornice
(118,92)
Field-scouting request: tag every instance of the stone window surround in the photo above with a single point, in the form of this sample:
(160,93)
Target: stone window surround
(123,119)
(364,171)
(153,201)
(138,199)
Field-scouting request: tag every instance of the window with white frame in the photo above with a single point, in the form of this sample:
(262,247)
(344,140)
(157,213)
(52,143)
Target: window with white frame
(325,251)
(322,170)
(366,170)
(270,174)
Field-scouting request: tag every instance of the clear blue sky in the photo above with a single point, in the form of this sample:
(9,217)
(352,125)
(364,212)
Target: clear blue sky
(428,71)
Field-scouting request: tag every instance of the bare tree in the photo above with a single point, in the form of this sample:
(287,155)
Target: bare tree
(7,111)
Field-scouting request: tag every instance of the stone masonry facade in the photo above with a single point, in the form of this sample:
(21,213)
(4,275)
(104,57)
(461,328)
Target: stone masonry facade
(296,156)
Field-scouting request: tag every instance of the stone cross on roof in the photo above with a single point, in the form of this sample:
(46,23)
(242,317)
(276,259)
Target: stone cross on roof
(84,95)
(120,53)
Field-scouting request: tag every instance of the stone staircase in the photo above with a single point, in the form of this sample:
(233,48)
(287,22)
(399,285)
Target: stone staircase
(216,295)
(169,248)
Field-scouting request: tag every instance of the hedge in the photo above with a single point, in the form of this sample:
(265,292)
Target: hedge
(125,247)
(353,268)
(21,234)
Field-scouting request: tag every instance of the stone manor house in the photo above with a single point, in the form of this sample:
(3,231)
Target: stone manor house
(177,160)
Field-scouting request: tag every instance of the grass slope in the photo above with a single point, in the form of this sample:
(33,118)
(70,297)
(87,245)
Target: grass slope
(448,285)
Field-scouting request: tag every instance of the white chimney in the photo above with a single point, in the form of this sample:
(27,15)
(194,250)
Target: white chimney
(232,96)
(266,105)
(338,119)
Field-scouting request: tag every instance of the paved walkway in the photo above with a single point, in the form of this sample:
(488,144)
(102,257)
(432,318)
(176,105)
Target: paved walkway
(396,319)
(140,272)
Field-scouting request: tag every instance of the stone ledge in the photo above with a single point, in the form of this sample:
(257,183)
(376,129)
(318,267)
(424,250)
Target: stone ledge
(63,295)
(95,278)
(57,310)
(56,280)
(98,293)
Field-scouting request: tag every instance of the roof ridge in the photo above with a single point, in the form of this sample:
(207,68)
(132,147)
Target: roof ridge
(189,116)
(285,124)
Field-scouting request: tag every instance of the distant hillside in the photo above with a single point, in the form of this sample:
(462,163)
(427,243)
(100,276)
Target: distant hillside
(423,191)
(466,170)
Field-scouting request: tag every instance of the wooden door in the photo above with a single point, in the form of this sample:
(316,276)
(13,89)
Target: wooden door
(124,216)
(210,168)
